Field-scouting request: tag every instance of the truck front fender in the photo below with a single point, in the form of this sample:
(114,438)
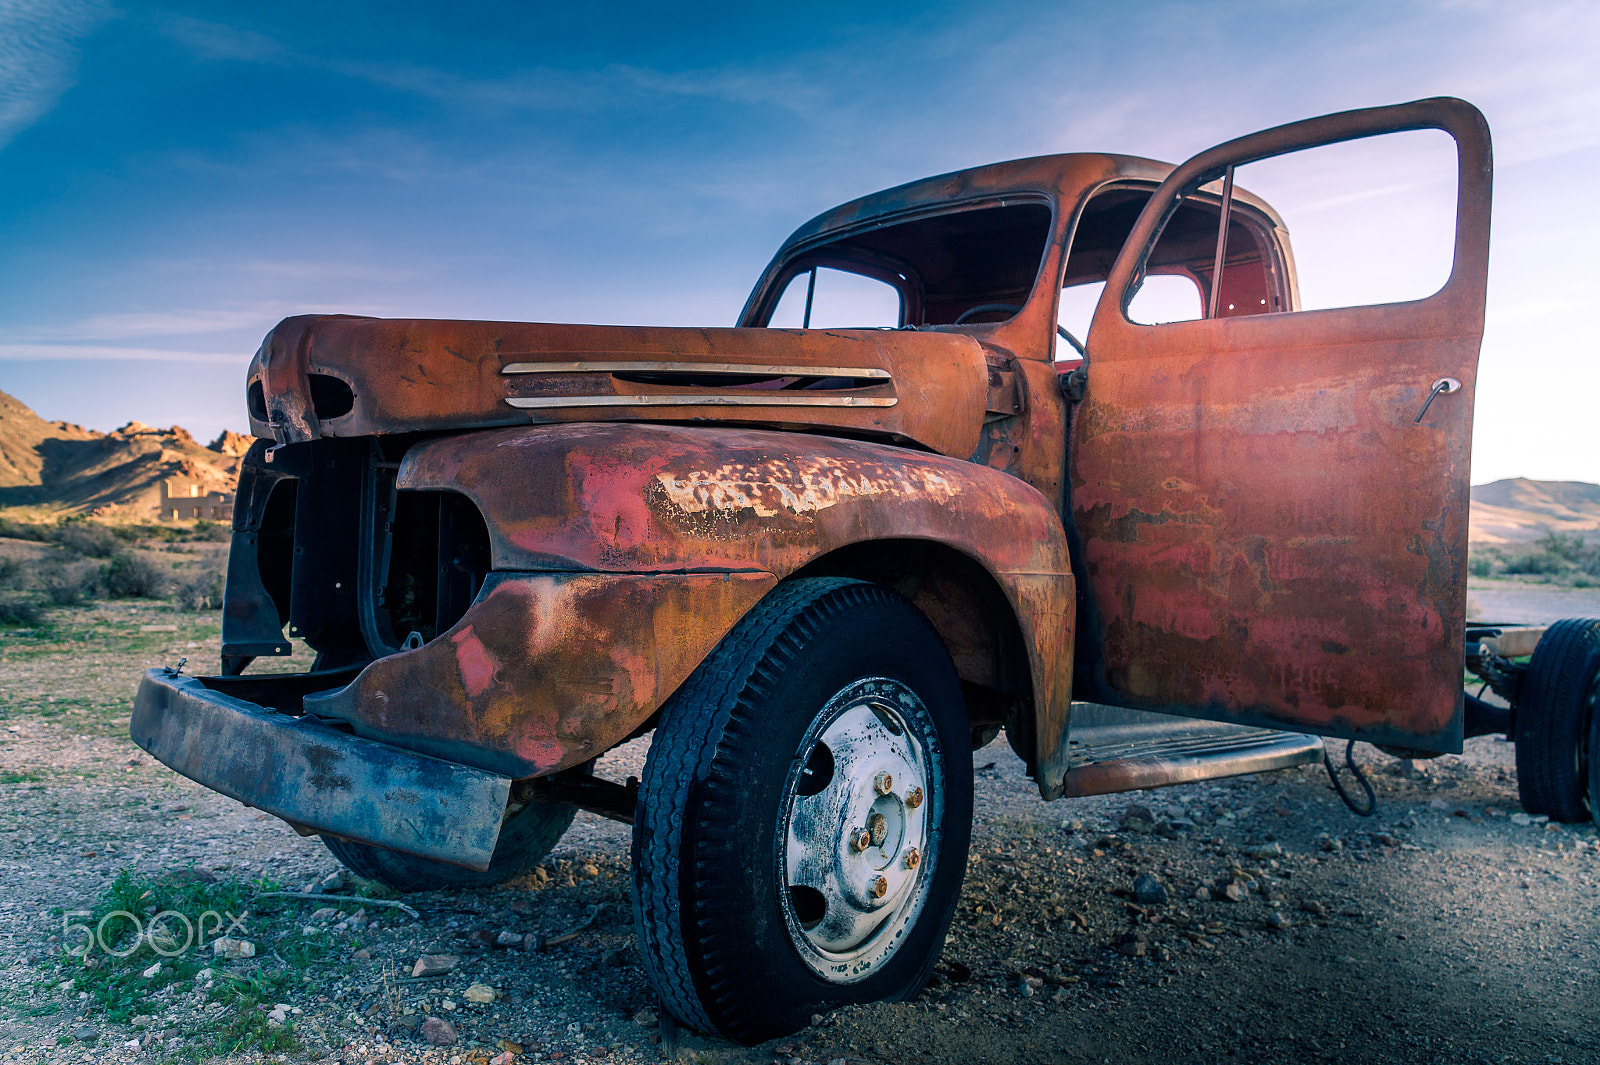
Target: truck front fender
(659,500)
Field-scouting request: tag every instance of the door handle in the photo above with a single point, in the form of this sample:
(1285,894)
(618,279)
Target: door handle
(1443,386)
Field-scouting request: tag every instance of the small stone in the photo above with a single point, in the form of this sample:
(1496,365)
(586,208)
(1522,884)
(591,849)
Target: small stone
(1278,920)
(590,870)
(232,949)
(1438,804)
(1072,826)
(409,1022)
(447,1004)
(435,965)
(1265,850)
(277,1015)
(1202,895)
(1138,826)
(361,955)
(508,1046)
(646,1018)
(480,993)
(150,972)
(1138,812)
(334,881)
(1235,891)
(324,914)
(503,1059)
(1134,945)
(1520,818)
(1314,908)
(438,1031)
(1149,891)
(508,939)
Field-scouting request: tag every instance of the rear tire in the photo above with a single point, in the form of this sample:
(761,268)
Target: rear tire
(832,709)
(525,838)
(1555,720)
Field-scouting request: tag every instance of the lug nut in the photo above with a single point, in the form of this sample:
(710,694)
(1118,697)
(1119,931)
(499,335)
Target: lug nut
(878,887)
(913,859)
(883,783)
(877,829)
(914,798)
(861,840)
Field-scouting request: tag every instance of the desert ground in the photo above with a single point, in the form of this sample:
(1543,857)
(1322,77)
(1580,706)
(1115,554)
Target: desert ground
(1448,927)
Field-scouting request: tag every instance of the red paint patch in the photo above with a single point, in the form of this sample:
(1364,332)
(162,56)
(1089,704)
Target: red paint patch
(477,668)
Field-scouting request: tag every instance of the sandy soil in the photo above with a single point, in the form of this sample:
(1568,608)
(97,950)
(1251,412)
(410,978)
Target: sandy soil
(1450,927)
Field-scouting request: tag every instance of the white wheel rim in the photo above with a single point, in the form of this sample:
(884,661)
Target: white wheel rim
(848,905)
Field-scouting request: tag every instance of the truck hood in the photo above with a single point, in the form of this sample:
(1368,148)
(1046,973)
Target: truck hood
(340,376)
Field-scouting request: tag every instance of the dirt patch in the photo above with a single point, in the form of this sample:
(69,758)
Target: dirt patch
(1449,927)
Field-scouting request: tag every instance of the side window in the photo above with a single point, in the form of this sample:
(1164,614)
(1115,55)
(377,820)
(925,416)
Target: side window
(1371,220)
(837,299)
(1162,298)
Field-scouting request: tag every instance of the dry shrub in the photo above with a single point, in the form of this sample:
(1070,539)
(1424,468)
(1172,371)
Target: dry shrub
(69,584)
(198,591)
(94,541)
(126,576)
(20,610)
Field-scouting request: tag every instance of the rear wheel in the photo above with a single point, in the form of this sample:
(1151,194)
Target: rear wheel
(1555,720)
(802,826)
(526,836)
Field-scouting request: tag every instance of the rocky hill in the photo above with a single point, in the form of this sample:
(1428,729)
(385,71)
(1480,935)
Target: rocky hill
(62,467)
(1517,510)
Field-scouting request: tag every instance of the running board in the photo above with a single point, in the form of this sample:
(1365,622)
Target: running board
(1111,749)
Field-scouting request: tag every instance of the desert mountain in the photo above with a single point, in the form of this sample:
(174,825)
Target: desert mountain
(64,467)
(1517,510)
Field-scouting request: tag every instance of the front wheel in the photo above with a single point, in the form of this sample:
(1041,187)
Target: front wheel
(803,822)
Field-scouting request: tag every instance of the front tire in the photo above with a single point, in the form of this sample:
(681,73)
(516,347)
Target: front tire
(802,826)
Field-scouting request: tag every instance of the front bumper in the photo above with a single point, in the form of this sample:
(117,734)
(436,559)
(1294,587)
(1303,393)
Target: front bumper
(314,776)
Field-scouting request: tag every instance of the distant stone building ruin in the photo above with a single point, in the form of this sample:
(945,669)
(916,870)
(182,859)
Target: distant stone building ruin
(186,497)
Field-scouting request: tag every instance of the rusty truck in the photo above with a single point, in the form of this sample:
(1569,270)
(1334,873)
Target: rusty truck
(822,555)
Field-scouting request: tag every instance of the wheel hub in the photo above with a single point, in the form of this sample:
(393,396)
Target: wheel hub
(857,828)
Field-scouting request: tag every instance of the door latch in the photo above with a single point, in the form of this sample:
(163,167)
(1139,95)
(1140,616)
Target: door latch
(1443,386)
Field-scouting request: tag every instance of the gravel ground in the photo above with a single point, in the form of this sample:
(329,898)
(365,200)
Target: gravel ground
(1449,927)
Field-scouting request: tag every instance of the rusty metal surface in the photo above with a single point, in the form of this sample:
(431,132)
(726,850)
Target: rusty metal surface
(1267,534)
(410,375)
(316,777)
(655,500)
(546,671)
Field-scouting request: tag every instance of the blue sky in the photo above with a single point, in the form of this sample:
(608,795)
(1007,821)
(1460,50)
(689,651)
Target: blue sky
(175,178)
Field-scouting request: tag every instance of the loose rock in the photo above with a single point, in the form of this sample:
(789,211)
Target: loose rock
(1149,891)
(433,965)
(232,949)
(480,993)
(438,1031)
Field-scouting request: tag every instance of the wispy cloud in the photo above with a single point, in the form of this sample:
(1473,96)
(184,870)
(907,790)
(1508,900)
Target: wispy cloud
(39,42)
(65,352)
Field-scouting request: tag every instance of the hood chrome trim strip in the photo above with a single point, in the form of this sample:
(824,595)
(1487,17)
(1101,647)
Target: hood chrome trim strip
(751,369)
(722,399)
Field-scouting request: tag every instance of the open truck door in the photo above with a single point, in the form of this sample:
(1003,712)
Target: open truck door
(1271,516)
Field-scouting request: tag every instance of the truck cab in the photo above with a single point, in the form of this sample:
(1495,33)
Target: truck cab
(820,555)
